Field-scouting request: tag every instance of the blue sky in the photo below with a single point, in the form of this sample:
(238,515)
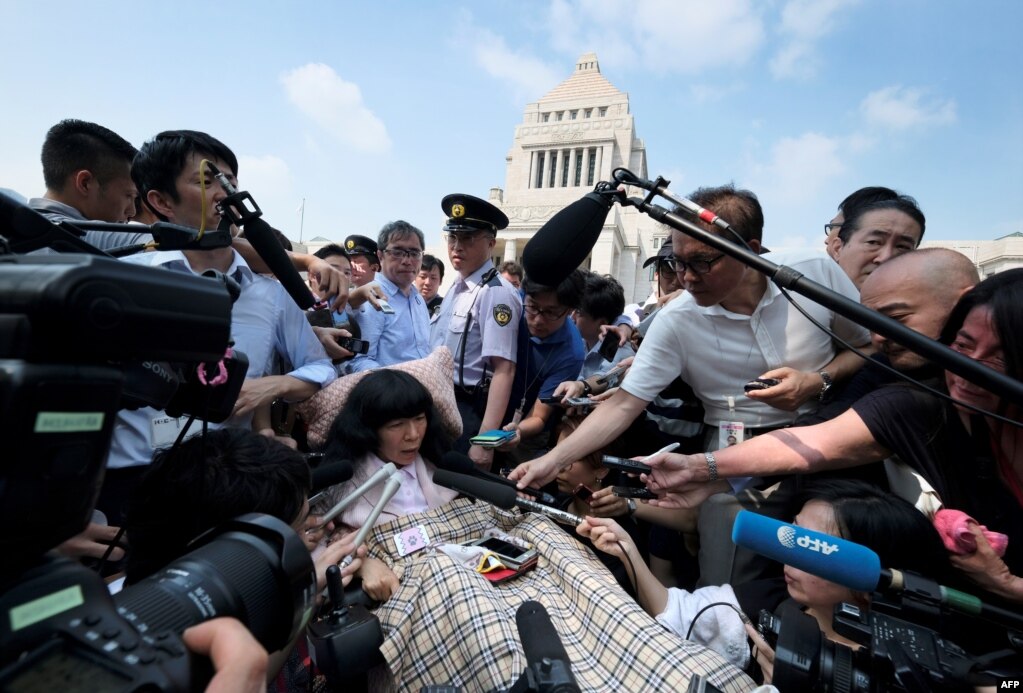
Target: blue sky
(375,111)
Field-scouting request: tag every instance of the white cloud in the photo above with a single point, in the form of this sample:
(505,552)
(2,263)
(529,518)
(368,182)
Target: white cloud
(899,108)
(803,24)
(528,77)
(660,35)
(713,93)
(336,106)
(798,168)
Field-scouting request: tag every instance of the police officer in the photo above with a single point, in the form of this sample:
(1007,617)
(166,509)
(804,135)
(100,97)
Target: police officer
(479,320)
(362,252)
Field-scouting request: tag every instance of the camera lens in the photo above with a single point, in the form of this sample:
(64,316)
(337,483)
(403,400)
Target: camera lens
(254,568)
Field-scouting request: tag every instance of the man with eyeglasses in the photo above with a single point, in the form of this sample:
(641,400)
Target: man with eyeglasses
(550,352)
(863,196)
(730,327)
(403,335)
(479,320)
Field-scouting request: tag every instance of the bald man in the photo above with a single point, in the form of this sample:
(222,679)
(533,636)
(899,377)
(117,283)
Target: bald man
(917,289)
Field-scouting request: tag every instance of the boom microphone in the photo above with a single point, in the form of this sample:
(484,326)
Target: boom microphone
(832,558)
(546,657)
(503,497)
(330,475)
(454,461)
(563,243)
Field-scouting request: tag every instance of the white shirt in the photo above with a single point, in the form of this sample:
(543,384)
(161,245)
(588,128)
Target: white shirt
(264,321)
(717,351)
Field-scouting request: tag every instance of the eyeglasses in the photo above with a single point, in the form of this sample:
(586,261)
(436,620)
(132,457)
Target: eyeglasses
(545,313)
(829,227)
(401,253)
(698,267)
(465,239)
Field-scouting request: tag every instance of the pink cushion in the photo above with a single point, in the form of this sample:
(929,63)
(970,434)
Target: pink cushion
(436,372)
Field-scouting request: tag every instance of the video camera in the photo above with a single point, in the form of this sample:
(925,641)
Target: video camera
(71,328)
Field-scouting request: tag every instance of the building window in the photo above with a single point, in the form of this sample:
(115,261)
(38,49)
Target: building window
(573,115)
(553,169)
(564,167)
(603,111)
(559,115)
(578,178)
(539,169)
(545,117)
(588,113)
(593,166)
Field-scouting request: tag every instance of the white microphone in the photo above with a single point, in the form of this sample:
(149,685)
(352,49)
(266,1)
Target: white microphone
(380,475)
(393,484)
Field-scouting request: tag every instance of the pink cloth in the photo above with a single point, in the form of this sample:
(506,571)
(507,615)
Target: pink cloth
(954,528)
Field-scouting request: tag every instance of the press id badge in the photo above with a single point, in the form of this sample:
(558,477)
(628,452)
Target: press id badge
(730,433)
(164,430)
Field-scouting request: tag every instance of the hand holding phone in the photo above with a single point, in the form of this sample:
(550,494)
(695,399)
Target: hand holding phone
(356,346)
(760,384)
(609,347)
(625,465)
(634,492)
(583,492)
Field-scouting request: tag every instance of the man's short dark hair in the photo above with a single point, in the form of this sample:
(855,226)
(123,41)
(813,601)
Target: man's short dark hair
(569,292)
(330,251)
(431,261)
(738,207)
(603,298)
(865,196)
(161,160)
(202,483)
(398,229)
(903,203)
(513,268)
(74,145)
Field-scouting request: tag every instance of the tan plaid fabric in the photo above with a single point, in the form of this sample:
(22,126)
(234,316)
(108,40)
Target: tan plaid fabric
(447,624)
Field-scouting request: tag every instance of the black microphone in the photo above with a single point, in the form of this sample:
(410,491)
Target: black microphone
(546,658)
(258,233)
(504,497)
(454,461)
(329,475)
(563,243)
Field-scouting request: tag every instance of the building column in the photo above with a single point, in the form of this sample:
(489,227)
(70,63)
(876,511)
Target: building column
(572,164)
(531,179)
(561,167)
(509,250)
(583,180)
(552,160)
(597,171)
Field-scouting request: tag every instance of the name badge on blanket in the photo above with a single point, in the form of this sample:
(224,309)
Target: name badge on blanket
(411,540)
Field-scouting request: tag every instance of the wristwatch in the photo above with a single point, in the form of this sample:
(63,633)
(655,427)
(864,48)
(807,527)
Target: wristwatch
(826,377)
(587,390)
(631,505)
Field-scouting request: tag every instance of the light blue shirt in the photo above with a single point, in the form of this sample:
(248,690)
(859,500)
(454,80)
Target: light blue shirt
(264,322)
(403,336)
(594,363)
(492,311)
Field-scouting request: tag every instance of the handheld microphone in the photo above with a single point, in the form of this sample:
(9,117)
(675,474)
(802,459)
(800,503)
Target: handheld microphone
(393,484)
(545,655)
(563,243)
(504,497)
(454,461)
(854,566)
(259,234)
(832,558)
(383,473)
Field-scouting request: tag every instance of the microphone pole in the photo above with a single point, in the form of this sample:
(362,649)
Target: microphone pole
(788,278)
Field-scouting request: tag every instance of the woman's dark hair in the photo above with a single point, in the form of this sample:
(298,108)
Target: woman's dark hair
(382,396)
(891,527)
(207,481)
(1003,293)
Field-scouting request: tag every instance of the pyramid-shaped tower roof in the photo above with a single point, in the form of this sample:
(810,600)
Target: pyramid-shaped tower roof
(585,83)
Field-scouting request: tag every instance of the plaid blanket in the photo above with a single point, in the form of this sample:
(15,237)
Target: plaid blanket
(448,624)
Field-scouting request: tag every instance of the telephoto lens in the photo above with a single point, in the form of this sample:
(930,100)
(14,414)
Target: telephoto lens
(255,568)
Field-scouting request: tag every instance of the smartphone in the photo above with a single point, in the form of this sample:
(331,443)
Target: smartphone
(583,492)
(356,346)
(633,492)
(609,347)
(556,401)
(760,384)
(385,308)
(580,402)
(320,317)
(625,465)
